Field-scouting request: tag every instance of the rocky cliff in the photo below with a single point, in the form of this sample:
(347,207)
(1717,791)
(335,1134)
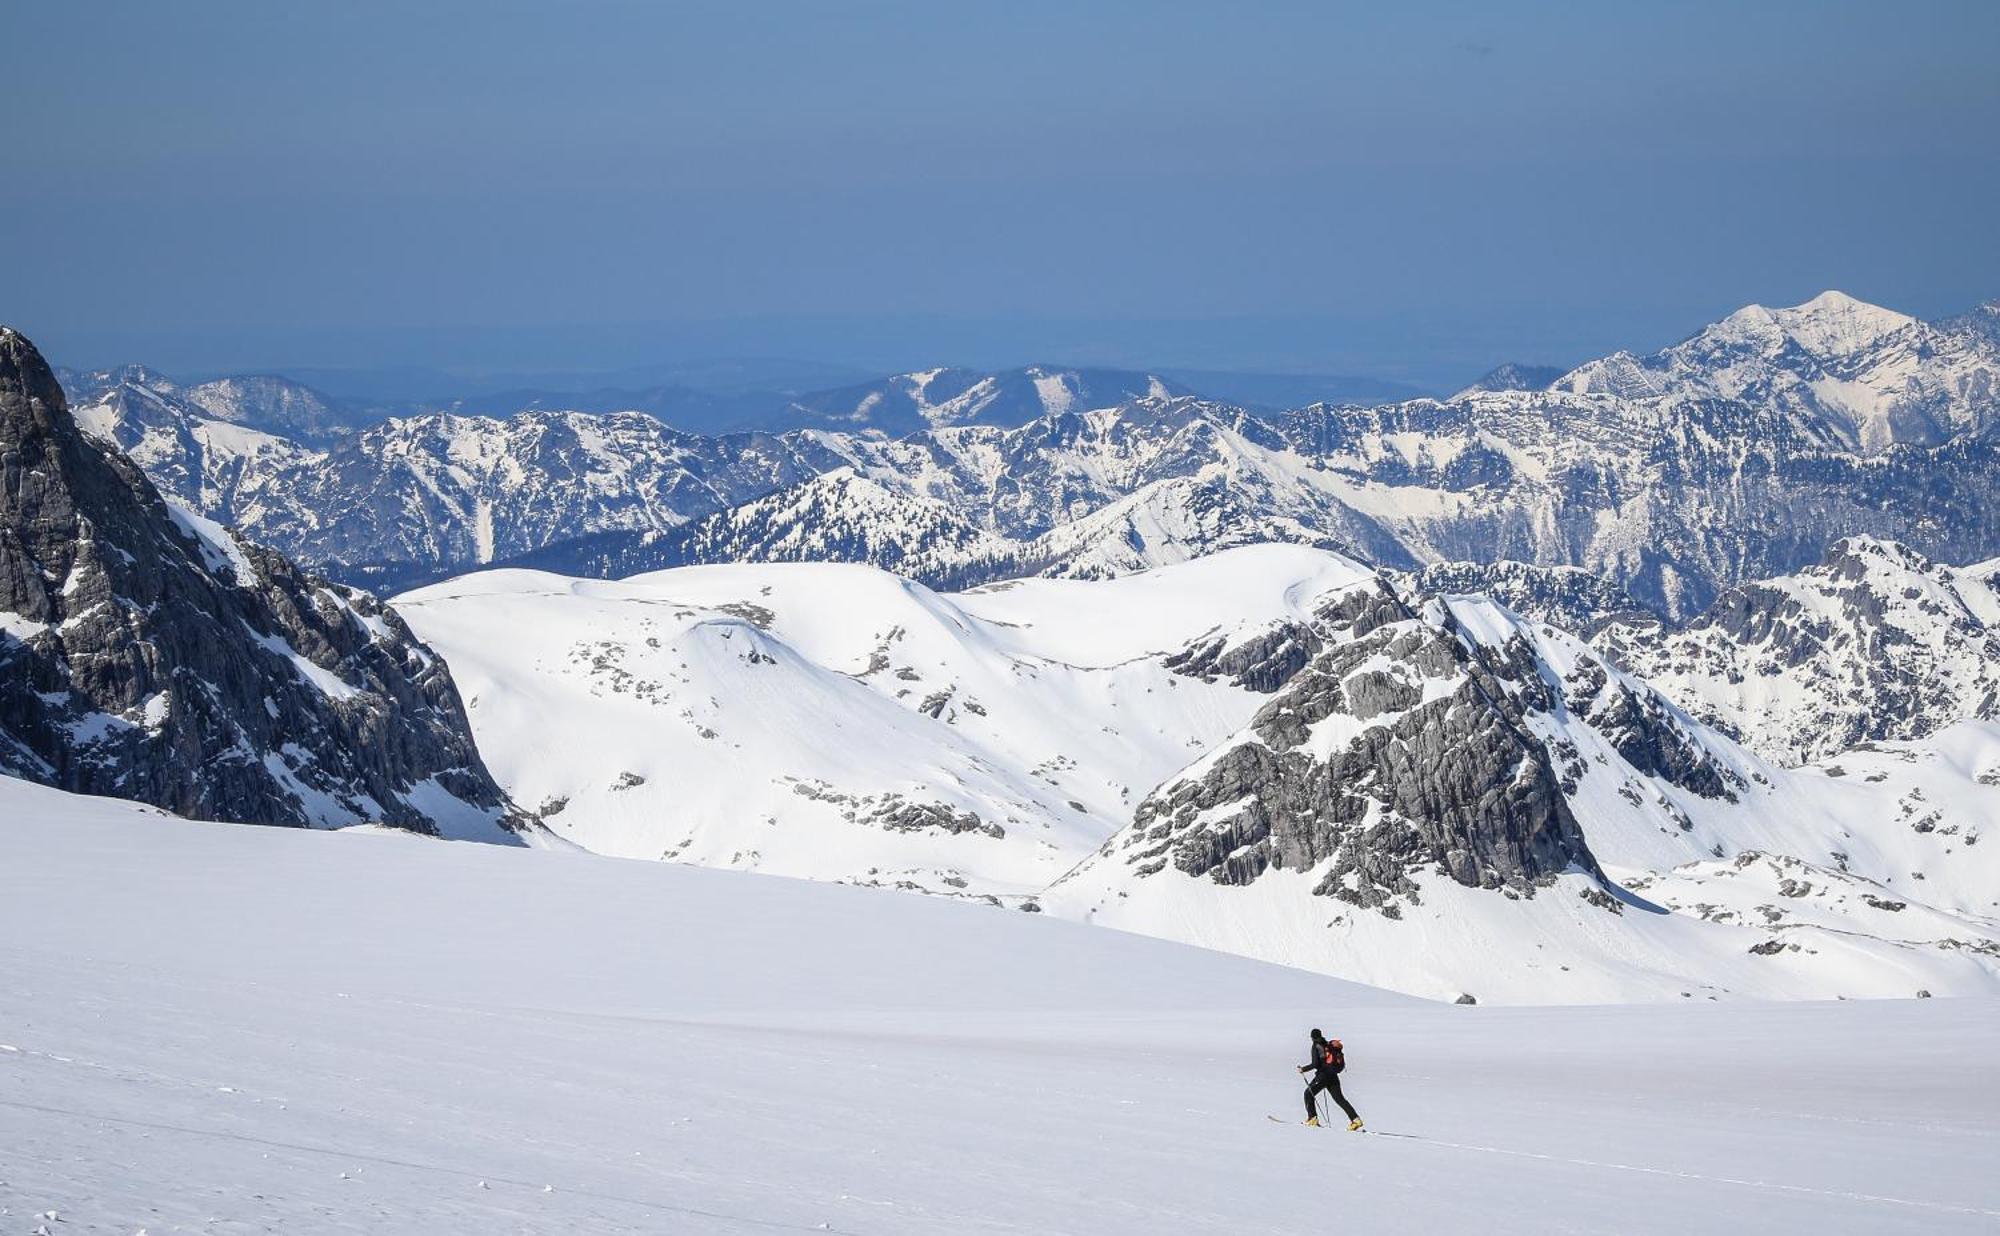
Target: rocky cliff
(148,653)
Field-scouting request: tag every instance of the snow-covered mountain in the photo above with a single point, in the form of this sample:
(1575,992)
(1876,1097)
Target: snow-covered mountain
(1874,642)
(1451,799)
(1727,459)
(1092,494)
(199,458)
(149,653)
(1272,750)
(935,398)
(1569,598)
(1514,377)
(1869,377)
(266,403)
(1670,494)
(425,493)
(839,722)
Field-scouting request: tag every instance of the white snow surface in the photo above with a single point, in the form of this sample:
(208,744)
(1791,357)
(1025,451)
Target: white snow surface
(1862,878)
(776,717)
(836,722)
(1871,376)
(216,1028)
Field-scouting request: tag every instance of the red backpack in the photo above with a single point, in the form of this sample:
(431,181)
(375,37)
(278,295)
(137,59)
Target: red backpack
(1331,1056)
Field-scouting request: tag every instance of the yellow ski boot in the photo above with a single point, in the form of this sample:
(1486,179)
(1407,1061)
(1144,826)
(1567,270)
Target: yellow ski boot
(1312,1122)
(1354,1125)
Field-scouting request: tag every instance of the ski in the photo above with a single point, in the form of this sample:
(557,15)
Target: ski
(1338,1127)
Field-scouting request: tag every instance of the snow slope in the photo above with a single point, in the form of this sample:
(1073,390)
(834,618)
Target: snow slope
(213,1029)
(1125,751)
(1429,806)
(839,722)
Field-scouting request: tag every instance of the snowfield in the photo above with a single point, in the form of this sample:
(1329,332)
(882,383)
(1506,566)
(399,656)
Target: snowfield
(218,1028)
(837,722)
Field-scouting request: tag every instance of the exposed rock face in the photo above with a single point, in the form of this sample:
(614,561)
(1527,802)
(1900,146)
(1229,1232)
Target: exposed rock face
(1444,737)
(146,653)
(1394,748)
(1569,598)
(1874,642)
(1263,661)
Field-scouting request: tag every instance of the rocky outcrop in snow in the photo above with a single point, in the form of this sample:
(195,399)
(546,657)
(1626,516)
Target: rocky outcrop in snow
(1435,736)
(148,653)
(1873,642)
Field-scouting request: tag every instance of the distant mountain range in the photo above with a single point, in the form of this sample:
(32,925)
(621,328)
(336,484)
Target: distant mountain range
(1738,454)
(712,397)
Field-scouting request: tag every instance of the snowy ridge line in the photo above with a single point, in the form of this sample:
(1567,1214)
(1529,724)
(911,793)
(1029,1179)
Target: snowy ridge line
(1779,1186)
(387,1161)
(1824,420)
(996,739)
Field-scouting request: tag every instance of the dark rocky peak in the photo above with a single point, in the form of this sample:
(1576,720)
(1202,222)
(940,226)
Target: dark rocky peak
(1860,557)
(147,653)
(1425,737)
(1403,746)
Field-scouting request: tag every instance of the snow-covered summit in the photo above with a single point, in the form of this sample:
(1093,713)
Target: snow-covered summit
(1869,377)
(1835,324)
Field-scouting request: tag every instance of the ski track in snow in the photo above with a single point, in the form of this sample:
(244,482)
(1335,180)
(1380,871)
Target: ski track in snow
(222,1029)
(1662,1171)
(354,1156)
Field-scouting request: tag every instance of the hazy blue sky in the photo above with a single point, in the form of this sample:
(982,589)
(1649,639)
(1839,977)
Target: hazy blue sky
(1404,190)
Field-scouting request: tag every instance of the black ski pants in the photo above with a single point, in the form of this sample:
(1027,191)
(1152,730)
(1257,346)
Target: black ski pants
(1329,1081)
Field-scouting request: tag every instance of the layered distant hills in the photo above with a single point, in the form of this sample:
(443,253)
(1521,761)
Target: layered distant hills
(1740,453)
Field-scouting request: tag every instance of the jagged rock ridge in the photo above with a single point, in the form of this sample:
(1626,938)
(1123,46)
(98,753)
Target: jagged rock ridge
(147,653)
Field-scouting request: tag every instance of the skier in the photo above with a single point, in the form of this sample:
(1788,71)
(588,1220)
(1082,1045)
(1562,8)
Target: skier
(1325,1065)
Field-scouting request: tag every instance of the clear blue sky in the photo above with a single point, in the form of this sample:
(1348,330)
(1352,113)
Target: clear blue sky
(1411,190)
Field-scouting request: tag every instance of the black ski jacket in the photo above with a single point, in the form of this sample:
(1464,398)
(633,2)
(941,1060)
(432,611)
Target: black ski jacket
(1316,1060)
